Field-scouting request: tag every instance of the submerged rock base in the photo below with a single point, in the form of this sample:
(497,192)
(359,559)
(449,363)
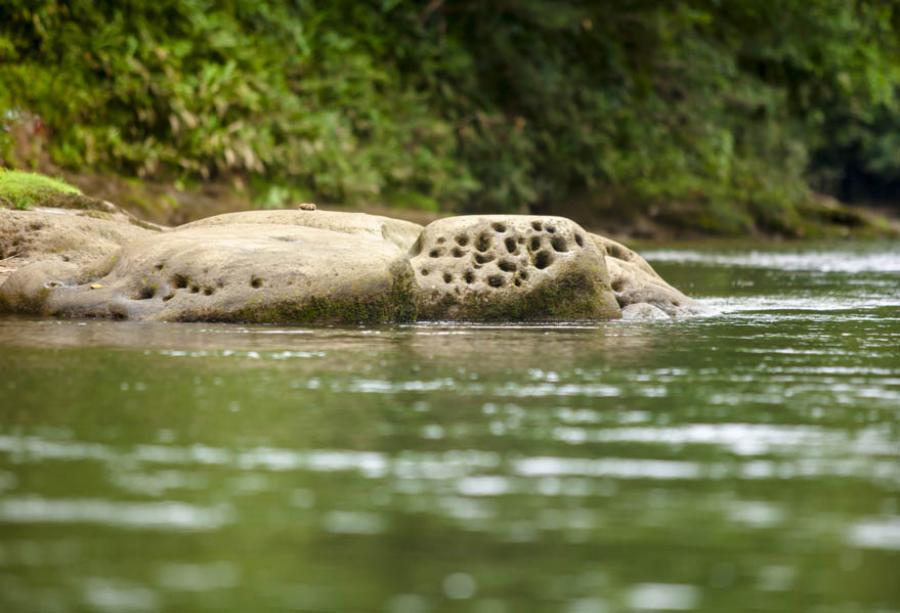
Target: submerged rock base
(316,266)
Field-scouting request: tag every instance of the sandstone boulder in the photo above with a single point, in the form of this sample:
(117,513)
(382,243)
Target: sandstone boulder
(297,266)
(242,272)
(84,238)
(510,267)
(636,283)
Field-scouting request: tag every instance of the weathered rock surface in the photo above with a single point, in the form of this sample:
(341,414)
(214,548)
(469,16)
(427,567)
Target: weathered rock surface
(636,283)
(510,267)
(255,272)
(641,311)
(317,266)
(401,233)
(71,242)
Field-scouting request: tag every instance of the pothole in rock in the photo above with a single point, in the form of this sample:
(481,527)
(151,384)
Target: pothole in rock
(507,266)
(147,292)
(542,259)
(559,244)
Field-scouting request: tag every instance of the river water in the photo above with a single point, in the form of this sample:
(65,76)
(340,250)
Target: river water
(742,461)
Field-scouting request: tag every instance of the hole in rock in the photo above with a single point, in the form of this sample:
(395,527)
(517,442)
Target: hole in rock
(495,281)
(550,229)
(147,292)
(195,289)
(535,243)
(208,291)
(425,272)
(559,244)
(498,227)
(168,297)
(448,277)
(256,282)
(510,244)
(483,242)
(441,240)
(618,285)
(469,276)
(457,252)
(518,282)
(614,251)
(158,267)
(523,274)
(537,225)
(180,281)
(483,258)
(579,240)
(462,240)
(435,253)
(542,260)
(507,265)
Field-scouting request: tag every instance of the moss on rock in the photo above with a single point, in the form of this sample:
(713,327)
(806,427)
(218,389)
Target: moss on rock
(23,190)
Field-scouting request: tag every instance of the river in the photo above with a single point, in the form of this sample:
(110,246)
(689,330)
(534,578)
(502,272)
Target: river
(748,460)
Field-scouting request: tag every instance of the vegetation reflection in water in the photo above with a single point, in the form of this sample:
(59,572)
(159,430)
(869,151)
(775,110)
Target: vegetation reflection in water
(744,461)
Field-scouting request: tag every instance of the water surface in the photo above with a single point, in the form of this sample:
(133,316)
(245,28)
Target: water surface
(745,461)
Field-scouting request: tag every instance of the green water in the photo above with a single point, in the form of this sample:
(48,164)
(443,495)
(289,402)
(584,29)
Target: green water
(745,461)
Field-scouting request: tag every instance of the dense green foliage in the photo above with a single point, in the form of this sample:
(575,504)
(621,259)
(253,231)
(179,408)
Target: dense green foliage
(714,113)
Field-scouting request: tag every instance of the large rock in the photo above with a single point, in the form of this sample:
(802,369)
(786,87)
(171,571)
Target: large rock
(510,267)
(78,236)
(635,283)
(317,266)
(55,245)
(243,272)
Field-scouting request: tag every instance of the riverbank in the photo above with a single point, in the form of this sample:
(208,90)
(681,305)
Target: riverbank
(655,119)
(173,203)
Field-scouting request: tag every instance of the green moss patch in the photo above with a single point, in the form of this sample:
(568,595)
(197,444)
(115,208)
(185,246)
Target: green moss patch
(22,190)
